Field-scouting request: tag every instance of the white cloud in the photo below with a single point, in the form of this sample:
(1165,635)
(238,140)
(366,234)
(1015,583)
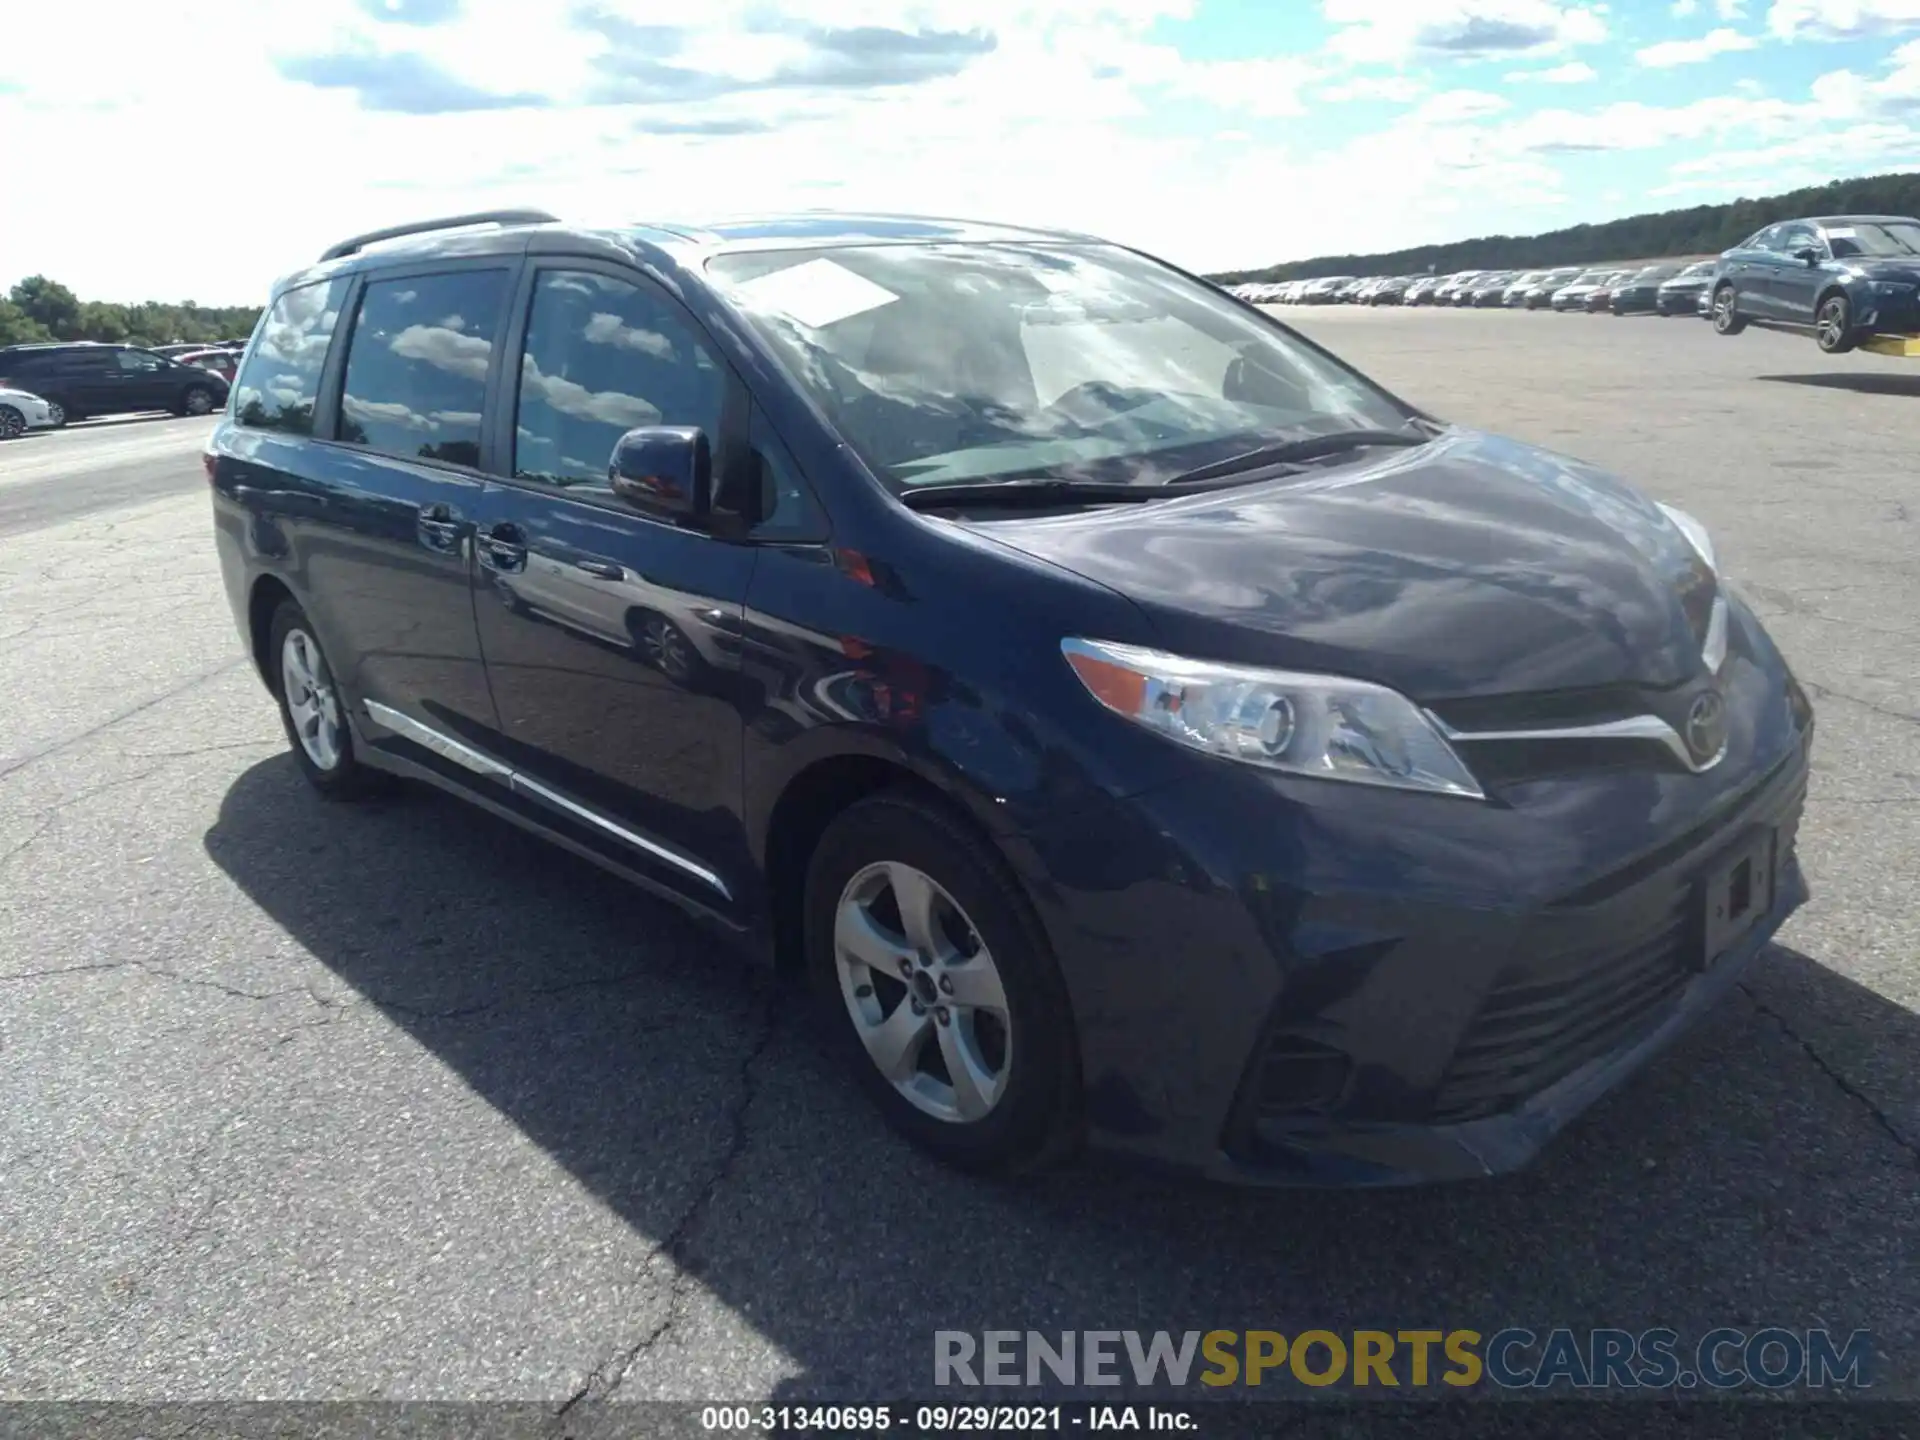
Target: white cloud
(1399,89)
(1841,19)
(1730,9)
(1684,8)
(1669,53)
(999,130)
(1454,106)
(1574,72)
(1845,95)
(1370,30)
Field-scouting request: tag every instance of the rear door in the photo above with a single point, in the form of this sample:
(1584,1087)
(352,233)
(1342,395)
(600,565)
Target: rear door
(1795,282)
(91,377)
(1754,271)
(145,381)
(387,492)
(612,637)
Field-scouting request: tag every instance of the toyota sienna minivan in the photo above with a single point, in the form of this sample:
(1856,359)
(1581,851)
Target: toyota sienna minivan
(1140,727)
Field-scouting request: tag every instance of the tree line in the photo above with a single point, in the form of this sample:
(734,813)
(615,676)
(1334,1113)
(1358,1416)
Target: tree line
(41,309)
(1697,230)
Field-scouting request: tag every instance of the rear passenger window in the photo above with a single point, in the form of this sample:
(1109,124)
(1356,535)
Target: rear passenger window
(276,387)
(417,366)
(604,356)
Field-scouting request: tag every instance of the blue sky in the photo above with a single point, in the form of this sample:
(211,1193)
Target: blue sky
(204,151)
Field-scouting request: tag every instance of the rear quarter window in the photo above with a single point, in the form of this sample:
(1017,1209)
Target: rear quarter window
(280,380)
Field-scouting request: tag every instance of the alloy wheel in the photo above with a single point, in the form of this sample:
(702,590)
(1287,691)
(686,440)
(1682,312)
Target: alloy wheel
(56,412)
(923,992)
(1830,326)
(199,401)
(1723,308)
(669,650)
(311,699)
(12,423)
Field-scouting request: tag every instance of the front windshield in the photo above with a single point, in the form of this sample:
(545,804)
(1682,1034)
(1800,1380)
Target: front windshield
(958,363)
(1899,238)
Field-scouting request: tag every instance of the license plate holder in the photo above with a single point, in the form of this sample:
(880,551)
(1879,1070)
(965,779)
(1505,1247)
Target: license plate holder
(1737,893)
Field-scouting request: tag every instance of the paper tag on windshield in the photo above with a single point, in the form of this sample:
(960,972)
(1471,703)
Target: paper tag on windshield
(1840,232)
(817,293)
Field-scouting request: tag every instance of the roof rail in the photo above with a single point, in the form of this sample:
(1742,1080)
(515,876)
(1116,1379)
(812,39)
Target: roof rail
(357,243)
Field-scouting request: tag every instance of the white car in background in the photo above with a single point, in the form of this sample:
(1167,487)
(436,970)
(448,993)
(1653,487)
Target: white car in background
(21,411)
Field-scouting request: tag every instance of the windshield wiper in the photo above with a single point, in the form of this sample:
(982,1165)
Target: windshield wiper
(1311,448)
(1024,492)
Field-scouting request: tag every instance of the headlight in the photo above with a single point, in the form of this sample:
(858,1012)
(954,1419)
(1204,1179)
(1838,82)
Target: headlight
(1713,649)
(1316,725)
(1695,532)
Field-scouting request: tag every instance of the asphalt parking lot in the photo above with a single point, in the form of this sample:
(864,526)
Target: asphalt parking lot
(308,1101)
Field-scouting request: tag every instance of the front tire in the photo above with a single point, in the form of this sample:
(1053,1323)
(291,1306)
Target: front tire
(938,981)
(13,424)
(1833,325)
(314,712)
(1727,319)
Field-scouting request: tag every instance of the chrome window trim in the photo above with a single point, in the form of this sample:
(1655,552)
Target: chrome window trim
(1636,727)
(480,763)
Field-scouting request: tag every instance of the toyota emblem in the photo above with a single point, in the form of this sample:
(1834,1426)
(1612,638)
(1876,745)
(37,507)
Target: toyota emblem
(1706,726)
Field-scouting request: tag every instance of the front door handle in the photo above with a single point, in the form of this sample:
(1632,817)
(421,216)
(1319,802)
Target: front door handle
(439,527)
(503,548)
(601,569)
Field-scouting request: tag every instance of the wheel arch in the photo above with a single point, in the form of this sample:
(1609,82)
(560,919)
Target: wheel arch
(822,787)
(266,596)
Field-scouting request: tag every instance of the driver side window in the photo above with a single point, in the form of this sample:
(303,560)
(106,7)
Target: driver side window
(604,356)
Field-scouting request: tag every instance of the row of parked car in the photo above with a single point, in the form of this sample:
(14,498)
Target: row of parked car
(45,386)
(1671,289)
(1846,280)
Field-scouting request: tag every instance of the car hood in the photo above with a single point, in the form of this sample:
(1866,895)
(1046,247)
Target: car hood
(1470,566)
(1676,282)
(1888,267)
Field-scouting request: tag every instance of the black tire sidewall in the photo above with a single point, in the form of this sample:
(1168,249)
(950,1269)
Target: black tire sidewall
(1037,1118)
(8,416)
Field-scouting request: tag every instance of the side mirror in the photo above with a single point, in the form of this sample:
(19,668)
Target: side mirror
(665,470)
(1807,255)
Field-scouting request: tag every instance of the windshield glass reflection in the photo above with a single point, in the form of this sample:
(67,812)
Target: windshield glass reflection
(953,363)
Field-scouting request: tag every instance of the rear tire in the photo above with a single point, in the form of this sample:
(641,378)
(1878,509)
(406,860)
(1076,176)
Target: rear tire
(975,962)
(1727,319)
(1833,325)
(314,712)
(198,400)
(59,414)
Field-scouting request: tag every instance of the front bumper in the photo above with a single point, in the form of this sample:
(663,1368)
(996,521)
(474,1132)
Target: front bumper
(1289,982)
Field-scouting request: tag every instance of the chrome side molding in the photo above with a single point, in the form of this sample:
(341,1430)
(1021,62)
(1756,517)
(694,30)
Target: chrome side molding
(445,746)
(480,763)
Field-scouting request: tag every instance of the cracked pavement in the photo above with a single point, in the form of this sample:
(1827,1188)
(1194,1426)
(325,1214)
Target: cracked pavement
(304,1101)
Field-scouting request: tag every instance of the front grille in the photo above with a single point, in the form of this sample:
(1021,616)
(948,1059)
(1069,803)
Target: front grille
(1545,1017)
(1549,1013)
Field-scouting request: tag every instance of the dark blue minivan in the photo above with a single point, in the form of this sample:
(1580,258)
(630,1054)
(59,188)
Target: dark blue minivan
(1141,727)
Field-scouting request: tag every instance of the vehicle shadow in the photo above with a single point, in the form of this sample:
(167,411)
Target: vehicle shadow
(1736,1182)
(1860,382)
